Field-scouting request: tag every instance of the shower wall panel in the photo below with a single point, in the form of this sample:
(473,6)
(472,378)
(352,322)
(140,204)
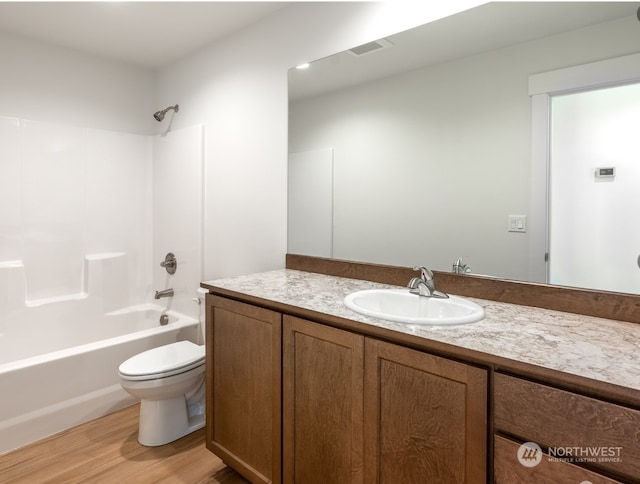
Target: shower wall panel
(10,197)
(178,214)
(53,208)
(119,203)
(68,193)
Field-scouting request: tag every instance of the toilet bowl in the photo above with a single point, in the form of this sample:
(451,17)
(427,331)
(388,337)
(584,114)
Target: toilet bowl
(169,381)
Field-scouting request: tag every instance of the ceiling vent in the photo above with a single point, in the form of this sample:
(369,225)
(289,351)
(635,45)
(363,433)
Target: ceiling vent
(371,47)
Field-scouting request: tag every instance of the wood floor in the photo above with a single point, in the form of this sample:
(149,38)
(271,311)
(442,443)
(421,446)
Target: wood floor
(107,451)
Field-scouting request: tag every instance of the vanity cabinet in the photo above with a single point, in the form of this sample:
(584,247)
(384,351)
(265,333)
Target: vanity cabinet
(301,390)
(354,409)
(357,410)
(243,378)
(587,439)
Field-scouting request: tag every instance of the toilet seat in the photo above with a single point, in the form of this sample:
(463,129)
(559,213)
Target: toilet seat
(162,362)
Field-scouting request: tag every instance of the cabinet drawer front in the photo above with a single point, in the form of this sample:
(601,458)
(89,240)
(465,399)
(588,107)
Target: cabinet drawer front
(508,468)
(569,424)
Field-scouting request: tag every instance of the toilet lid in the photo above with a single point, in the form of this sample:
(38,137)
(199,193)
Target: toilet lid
(163,361)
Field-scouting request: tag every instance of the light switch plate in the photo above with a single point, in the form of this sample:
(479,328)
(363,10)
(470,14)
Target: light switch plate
(517,223)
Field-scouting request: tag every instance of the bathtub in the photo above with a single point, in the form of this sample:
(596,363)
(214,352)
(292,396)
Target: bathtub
(57,373)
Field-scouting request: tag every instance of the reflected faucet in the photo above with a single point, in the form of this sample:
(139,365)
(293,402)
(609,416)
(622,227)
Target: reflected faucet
(460,267)
(164,293)
(425,285)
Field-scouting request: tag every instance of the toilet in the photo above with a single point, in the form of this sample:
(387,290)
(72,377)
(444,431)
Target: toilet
(169,381)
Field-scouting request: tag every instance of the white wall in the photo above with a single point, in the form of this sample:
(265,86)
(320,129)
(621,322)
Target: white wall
(237,88)
(46,83)
(429,164)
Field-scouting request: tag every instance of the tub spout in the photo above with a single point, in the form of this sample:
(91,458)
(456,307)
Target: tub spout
(164,293)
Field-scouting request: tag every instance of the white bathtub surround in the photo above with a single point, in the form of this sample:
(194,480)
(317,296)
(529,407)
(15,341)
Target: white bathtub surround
(72,195)
(74,191)
(178,214)
(36,327)
(83,213)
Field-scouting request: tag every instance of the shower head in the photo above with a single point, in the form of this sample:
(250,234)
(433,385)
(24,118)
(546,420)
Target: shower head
(159,115)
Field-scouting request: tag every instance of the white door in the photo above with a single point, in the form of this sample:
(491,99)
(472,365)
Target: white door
(594,204)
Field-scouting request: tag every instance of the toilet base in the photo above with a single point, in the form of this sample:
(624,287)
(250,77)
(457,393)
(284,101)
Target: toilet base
(163,421)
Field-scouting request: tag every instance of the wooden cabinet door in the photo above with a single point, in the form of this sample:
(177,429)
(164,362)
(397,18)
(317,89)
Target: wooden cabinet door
(244,387)
(322,404)
(425,418)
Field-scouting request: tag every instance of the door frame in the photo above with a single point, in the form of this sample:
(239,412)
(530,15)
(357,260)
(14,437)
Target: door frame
(542,87)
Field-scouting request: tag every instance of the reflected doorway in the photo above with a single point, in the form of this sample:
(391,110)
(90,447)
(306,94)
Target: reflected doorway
(594,178)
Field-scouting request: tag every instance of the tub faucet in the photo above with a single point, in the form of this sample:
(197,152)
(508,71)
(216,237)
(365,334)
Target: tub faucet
(425,285)
(164,293)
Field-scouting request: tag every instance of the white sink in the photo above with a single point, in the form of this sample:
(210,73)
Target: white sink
(401,306)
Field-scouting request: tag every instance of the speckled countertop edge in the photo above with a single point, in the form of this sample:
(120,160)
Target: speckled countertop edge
(595,348)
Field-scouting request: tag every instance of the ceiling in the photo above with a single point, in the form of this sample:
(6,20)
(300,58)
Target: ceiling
(155,34)
(148,34)
(487,27)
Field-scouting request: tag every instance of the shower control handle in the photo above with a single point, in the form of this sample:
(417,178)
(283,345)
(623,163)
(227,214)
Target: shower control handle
(169,263)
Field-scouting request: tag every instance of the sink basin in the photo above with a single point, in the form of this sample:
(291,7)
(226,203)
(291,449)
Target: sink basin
(401,306)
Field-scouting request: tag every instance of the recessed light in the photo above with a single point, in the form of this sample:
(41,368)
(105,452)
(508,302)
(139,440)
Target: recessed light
(303,66)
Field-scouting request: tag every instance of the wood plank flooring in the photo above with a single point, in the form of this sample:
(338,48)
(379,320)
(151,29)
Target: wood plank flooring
(107,451)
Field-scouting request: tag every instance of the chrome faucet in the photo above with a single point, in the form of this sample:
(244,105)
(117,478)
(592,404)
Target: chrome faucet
(460,267)
(164,293)
(425,285)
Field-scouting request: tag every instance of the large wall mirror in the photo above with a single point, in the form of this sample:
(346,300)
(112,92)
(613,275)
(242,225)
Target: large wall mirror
(417,149)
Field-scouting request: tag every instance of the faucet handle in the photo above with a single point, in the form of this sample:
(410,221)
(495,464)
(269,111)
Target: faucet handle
(425,273)
(169,263)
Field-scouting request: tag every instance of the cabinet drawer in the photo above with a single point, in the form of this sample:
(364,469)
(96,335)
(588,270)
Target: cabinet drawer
(566,422)
(508,468)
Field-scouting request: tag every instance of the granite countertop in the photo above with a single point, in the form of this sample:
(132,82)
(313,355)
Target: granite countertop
(595,348)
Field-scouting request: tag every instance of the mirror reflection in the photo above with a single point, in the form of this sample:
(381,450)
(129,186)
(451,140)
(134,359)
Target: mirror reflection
(417,149)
